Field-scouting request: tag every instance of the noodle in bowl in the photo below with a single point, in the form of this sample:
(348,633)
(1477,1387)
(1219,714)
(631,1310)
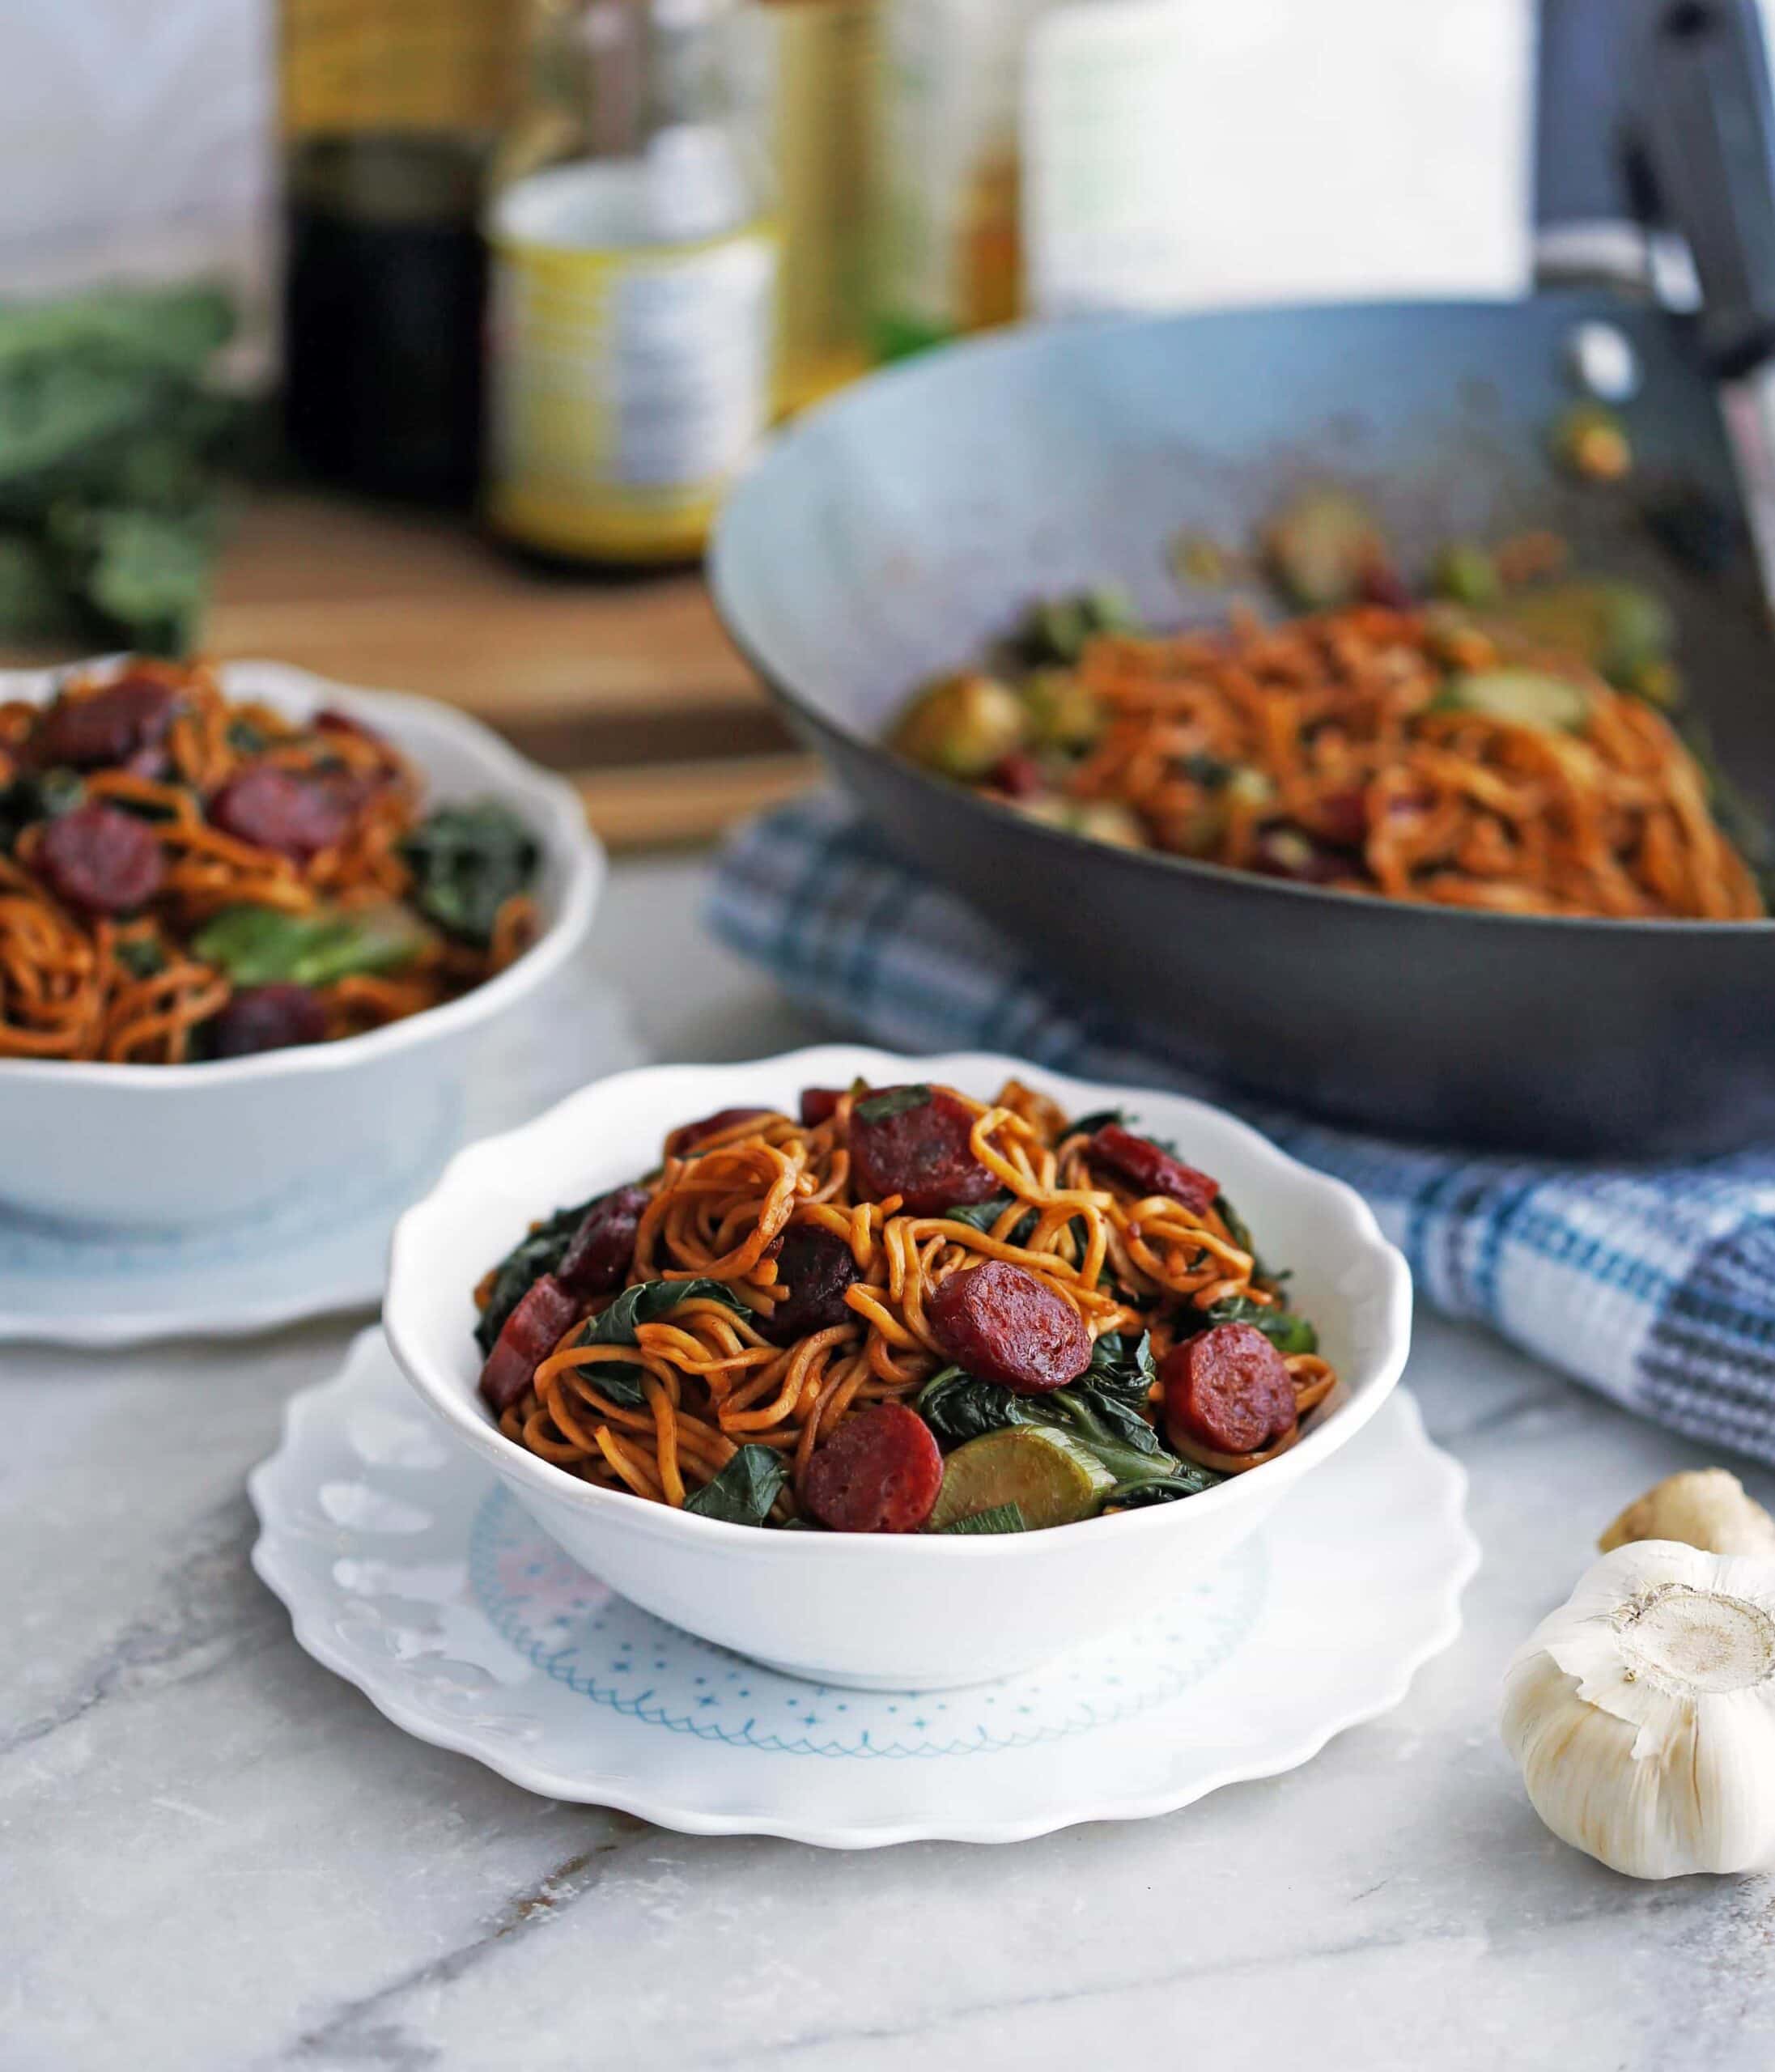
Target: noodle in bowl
(893,1610)
(172,1146)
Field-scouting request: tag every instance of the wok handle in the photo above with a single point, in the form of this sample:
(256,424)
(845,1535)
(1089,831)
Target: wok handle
(1585,226)
(1705,131)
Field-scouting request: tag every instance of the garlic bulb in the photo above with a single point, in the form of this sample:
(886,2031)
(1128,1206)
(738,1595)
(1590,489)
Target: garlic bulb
(1704,1507)
(1641,1713)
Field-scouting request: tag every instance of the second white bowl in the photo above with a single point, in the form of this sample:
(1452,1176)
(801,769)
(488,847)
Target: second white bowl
(167,1146)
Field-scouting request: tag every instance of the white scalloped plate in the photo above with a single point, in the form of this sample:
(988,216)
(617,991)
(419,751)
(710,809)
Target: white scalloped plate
(408,1571)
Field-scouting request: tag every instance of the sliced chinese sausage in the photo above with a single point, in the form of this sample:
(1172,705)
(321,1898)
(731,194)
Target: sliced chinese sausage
(122,725)
(1003,1324)
(913,1141)
(690,1135)
(819,1104)
(277,808)
(100,859)
(817,1267)
(279,1017)
(597,1259)
(1228,1391)
(1144,1164)
(531,1334)
(329,719)
(879,1472)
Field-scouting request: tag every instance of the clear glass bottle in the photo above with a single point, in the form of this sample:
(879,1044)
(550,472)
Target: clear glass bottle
(632,336)
(948,246)
(1034,162)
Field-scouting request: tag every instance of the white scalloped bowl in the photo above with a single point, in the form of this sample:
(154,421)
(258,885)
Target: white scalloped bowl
(885,1611)
(182,1146)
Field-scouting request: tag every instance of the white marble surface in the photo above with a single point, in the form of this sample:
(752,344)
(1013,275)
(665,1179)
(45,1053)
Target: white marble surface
(215,1856)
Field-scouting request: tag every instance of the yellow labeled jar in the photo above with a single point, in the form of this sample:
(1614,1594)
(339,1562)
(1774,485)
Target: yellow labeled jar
(631,329)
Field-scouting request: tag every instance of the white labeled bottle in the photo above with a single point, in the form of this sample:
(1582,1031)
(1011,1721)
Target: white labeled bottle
(632,311)
(1105,125)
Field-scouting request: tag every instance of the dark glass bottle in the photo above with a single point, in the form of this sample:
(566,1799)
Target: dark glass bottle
(390,108)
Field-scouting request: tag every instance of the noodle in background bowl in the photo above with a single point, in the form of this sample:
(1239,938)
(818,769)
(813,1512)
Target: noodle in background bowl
(882,1611)
(160,1146)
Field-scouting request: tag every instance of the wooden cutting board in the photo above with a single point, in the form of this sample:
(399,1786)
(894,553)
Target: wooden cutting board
(630,687)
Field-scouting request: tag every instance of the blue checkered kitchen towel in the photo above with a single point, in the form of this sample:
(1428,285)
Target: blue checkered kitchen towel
(1655,1284)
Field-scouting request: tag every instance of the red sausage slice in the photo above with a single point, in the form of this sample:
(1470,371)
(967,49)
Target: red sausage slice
(817,1267)
(819,1104)
(690,1135)
(1228,1391)
(100,859)
(267,1018)
(1003,1324)
(1142,1164)
(277,808)
(121,725)
(913,1141)
(879,1472)
(597,1260)
(531,1333)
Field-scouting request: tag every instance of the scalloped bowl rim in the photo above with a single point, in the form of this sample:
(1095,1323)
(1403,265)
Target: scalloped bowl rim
(827,1064)
(567,841)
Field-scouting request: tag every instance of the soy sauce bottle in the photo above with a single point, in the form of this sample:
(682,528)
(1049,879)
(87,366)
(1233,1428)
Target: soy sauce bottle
(390,109)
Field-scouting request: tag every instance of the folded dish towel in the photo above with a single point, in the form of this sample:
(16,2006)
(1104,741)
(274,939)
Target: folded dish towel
(1655,1284)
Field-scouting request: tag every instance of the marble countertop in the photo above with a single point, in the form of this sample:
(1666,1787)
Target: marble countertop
(214,1856)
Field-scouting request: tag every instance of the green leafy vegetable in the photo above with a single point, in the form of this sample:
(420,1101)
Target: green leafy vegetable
(1100,1118)
(983,1215)
(1288,1332)
(145,570)
(110,436)
(1000,1518)
(34,604)
(745,1490)
(645,1303)
(264,946)
(141,957)
(1102,1411)
(1164,1489)
(1058,629)
(246,737)
(36,794)
(957,1407)
(897,1101)
(1121,1367)
(539,1252)
(1237,1228)
(1114,1430)
(467,861)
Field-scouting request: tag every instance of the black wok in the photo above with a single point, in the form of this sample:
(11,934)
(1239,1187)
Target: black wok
(896,530)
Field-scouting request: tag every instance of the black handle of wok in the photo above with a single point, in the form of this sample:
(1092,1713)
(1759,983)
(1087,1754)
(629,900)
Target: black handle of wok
(1584,210)
(1703,135)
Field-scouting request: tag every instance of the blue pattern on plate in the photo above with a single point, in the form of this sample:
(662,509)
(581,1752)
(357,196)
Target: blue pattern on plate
(583,1635)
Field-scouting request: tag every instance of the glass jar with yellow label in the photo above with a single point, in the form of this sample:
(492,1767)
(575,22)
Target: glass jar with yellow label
(632,316)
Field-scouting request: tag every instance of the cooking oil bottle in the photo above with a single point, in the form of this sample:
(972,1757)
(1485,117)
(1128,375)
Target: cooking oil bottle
(809,69)
(632,308)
